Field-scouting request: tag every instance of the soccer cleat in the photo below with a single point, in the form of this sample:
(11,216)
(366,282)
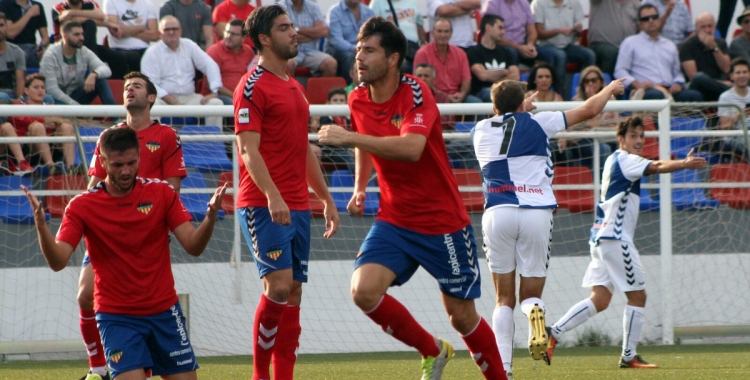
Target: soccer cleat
(636,362)
(94,376)
(538,339)
(20,168)
(432,366)
(550,346)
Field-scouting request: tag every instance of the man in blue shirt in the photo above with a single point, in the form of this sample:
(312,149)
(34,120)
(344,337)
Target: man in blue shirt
(344,21)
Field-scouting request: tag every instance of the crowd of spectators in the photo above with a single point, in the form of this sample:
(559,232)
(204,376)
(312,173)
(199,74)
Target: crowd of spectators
(195,50)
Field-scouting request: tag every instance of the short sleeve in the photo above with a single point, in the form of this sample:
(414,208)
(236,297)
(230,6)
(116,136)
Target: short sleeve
(249,105)
(177,214)
(633,166)
(421,119)
(551,122)
(173,164)
(71,228)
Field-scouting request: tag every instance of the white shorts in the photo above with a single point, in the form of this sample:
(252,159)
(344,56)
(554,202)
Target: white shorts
(312,60)
(615,264)
(518,239)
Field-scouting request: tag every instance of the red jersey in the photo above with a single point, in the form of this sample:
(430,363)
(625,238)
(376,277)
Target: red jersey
(278,110)
(128,243)
(160,151)
(21,124)
(421,196)
(228,11)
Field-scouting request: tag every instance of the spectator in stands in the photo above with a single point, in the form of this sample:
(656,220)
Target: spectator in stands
(25,18)
(450,63)
(520,33)
(675,22)
(460,14)
(233,57)
(171,65)
(195,18)
(729,117)
(541,80)
(740,46)
(44,126)
(330,153)
(228,11)
(74,74)
(344,21)
(426,73)
(406,16)
(704,59)
(558,25)
(136,22)
(355,79)
(610,22)
(488,61)
(649,62)
(87,12)
(310,27)
(592,81)
(12,66)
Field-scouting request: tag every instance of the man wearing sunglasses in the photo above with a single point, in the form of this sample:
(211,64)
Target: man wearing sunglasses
(649,62)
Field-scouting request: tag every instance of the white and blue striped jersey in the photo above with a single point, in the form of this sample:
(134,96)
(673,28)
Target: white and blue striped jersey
(514,154)
(619,203)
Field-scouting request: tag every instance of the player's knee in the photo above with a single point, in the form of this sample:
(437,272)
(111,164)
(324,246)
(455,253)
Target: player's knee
(463,319)
(508,300)
(86,298)
(365,299)
(279,293)
(637,298)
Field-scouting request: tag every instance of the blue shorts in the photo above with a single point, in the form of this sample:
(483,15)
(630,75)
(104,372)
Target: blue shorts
(450,258)
(276,247)
(158,341)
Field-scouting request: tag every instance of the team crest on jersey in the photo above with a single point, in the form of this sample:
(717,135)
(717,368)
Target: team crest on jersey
(115,356)
(274,254)
(397,120)
(145,207)
(153,146)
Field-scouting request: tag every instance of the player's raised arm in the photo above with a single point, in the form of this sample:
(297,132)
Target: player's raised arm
(595,104)
(194,240)
(669,166)
(318,184)
(57,253)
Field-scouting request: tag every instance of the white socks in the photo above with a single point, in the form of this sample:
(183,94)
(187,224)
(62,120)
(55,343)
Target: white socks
(577,314)
(632,324)
(503,326)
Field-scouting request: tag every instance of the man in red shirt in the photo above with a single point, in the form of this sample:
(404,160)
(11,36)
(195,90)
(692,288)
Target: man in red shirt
(137,308)
(271,115)
(234,58)
(231,10)
(160,158)
(422,221)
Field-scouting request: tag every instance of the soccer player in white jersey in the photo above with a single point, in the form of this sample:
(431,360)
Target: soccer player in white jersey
(513,151)
(615,262)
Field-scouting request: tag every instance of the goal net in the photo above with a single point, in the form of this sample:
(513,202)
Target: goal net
(695,284)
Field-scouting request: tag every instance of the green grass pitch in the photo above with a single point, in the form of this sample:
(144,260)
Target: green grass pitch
(681,362)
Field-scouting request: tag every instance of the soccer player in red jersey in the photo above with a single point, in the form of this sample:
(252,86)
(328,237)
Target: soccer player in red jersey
(160,158)
(137,309)
(422,221)
(271,123)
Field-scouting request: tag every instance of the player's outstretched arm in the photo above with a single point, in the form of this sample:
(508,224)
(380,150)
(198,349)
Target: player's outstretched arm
(407,147)
(595,104)
(318,184)
(248,143)
(194,240)
(669,166)
(363,169)
(57,253)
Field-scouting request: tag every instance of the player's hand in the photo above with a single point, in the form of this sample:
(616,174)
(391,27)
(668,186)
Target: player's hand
(692,162)
(90,83)
(528,106)
(356,205)
(617,86)
(279,211)
(562,144)
(36,205)
(332,218)
(332,134)
(215,203)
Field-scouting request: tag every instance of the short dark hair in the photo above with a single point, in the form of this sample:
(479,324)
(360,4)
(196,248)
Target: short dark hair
(739,61)
(425,65)
(646,6)
(488,19)
(238,22)
(392,39)
(260,22)
(118,139)
(150,87)
(68,26)
(507,95)
(32,77)
(2,16)
(336,91)
(629,123)
(532,74)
